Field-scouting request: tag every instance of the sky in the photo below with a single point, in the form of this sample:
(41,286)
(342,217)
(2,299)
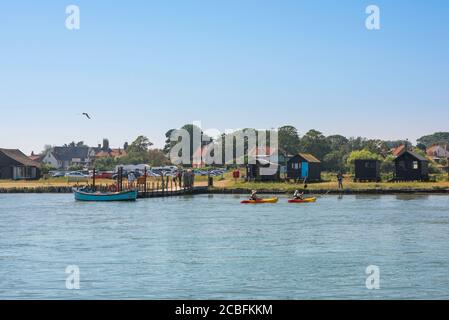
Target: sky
(144,67)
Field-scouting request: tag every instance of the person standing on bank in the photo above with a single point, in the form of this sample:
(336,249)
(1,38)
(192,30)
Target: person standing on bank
(340,180)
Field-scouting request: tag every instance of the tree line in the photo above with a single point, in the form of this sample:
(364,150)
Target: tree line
(336,152)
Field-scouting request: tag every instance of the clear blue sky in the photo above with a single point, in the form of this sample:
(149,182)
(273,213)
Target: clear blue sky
(143,67)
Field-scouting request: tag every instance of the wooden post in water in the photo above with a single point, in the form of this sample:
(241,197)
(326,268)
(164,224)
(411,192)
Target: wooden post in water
(162,179)
(93,179)
(120,179)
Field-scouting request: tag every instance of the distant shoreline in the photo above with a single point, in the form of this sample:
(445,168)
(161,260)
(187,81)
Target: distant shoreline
(244,191)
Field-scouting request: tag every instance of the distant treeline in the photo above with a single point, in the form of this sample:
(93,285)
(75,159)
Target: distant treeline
(336,152)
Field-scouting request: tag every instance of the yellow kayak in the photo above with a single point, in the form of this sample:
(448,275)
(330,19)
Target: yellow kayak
(268,200)
(302,200)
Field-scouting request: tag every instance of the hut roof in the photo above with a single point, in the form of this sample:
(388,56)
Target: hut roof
(19,157)
(265,162)
(309,158)
(415,155)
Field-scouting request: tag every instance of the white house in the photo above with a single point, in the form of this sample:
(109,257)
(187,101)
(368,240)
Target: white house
(438,152)
(65,157)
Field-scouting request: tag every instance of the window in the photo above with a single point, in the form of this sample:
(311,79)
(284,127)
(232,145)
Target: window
(415,165)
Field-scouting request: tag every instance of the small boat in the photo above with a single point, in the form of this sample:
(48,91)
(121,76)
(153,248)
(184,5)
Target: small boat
(306,200)
(268,200)
(129,195)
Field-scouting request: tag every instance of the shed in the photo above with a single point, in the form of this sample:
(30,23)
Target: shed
(15,165)
(302,166)
(367,170)
(411,166)
(263,170)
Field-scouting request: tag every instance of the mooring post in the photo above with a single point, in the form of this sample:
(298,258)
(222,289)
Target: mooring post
(93,179)
(120,177)
(145,182)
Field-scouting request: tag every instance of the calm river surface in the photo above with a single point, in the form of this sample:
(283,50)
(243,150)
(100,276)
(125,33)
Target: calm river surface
(211,247)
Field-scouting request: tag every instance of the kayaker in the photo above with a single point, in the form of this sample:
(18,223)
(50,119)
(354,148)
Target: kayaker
(298,195)
(253,195)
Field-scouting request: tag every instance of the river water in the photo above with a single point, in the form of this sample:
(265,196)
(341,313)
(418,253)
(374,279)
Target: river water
(212,247)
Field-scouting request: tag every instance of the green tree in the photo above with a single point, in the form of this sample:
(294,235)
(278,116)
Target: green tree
(46,168)
(361,155)
(387,165)
(314,142)
(105,164)
(335,161)
(376,146)
(141,144)
(157,158)
(288,139)
(421,146)
(137,152)
(337,142)
(435,138)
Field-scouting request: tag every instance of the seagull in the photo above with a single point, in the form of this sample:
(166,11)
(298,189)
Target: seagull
(86,114)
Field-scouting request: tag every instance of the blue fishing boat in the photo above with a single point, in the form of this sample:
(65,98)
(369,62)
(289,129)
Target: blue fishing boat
(129,195)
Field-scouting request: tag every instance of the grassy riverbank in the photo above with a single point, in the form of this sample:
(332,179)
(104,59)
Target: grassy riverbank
(226,183)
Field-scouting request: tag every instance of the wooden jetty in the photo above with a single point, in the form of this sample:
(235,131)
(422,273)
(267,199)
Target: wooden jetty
(172,192)
(164,186)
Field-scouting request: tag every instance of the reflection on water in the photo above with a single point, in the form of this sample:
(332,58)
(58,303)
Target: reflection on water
(212,247)
(408,197)
(368,196)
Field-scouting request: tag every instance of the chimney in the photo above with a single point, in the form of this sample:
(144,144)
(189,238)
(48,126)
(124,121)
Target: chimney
(105,144)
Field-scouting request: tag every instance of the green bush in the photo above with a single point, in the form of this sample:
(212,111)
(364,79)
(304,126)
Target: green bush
(361,155)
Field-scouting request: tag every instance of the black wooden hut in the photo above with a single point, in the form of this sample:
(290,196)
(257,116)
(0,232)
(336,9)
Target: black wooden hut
(411,166)
(367,170)
(15,165)
(302,166)
(263,170)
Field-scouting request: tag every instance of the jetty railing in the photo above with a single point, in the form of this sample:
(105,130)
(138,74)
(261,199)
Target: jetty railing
(150,186)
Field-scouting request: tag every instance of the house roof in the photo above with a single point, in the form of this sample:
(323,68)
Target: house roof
(414,155)
(309,158)
(36,157)
(69,153)
(20,157)
(115,153)
(397,151)
(436,150)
